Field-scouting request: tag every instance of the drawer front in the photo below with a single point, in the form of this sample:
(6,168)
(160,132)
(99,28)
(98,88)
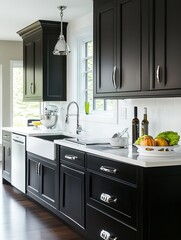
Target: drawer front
(112,168)
(72,156)
(112,197)
(100,226)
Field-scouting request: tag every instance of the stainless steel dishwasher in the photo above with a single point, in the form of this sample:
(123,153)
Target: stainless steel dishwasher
(18,161)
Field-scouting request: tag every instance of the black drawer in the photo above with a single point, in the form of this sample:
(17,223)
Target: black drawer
(101,224)
(72,156)
(113,197)
(112,168)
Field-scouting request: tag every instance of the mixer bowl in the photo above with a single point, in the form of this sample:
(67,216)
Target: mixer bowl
(49,121)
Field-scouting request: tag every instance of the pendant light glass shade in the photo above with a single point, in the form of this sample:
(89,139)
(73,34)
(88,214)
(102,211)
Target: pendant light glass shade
(61,47)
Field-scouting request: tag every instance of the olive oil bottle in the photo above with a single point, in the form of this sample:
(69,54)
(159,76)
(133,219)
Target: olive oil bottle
(135,126)
(144,123)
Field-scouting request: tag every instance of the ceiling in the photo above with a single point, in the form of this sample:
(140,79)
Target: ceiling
(17,14)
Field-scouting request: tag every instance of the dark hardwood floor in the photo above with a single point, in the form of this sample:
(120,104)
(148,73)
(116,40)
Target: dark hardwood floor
(22,219)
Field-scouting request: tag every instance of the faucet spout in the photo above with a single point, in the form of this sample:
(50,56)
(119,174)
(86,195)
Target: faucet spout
(78,128)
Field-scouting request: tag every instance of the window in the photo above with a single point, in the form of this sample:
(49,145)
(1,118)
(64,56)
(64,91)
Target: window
(96,105)
(21,111)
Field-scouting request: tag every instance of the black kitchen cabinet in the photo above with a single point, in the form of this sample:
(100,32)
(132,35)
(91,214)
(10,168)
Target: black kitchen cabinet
(6,156)
(132,202)
(166,47)
(72,185)
(106,199)
(161,209)
(137,48)
(102,226)
(112,199)
(42,179)
(118,47)
(44,73)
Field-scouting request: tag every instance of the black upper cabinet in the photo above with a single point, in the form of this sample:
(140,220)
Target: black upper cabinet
(117,47)
(129,30)
(44,73)
(104,47)
(166,37)
(137,48)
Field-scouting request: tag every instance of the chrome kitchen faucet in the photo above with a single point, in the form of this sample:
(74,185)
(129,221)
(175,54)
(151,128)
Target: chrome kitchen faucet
(78,128)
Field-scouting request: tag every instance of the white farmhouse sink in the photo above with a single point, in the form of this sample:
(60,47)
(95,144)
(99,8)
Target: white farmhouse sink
(43,145)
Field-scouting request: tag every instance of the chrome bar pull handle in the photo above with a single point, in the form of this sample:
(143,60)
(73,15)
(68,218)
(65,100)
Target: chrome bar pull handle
(32,88)
(158,74)
(114,77)
(106,235)
(107,198)
(108,169)
(70,157)
(39,168)
(9,151)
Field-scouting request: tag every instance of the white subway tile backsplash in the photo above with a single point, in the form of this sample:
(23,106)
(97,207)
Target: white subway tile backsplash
(163,114)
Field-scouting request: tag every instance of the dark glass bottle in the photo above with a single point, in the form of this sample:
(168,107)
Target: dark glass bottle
(135,126)
(144,123)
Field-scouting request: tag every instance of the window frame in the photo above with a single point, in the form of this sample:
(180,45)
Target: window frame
(16,64)
(96,115)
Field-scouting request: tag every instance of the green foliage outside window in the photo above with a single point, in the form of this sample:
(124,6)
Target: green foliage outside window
(22,111)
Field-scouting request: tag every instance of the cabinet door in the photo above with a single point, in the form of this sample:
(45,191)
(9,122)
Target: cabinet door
(49,183)
(72,197)
(32,175)
(117,47)
(33,68)
(104,47)
(128,45)
(6,161)
(166,35)
(54,70)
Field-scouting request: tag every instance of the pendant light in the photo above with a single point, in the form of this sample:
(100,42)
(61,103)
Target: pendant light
(61,47)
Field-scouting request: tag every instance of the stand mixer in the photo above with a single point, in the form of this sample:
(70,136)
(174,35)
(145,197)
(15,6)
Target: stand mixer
(50,116)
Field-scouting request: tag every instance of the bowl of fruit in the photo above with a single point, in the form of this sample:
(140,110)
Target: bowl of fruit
(162,145)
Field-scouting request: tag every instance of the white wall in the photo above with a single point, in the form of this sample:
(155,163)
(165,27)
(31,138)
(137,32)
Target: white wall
(0,103)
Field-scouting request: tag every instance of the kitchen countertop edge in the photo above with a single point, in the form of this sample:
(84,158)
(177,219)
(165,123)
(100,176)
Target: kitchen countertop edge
(129,156)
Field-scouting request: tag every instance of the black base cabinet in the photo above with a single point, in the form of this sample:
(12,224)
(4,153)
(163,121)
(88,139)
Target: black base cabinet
(6,156)
(72,185)
(102,226)
(161,191)
(42,180)
(112,199)
(106,199)
(130,202)
(72,194)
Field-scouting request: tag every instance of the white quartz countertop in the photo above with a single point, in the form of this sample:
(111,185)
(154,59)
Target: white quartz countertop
(129,156)
(32,131)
